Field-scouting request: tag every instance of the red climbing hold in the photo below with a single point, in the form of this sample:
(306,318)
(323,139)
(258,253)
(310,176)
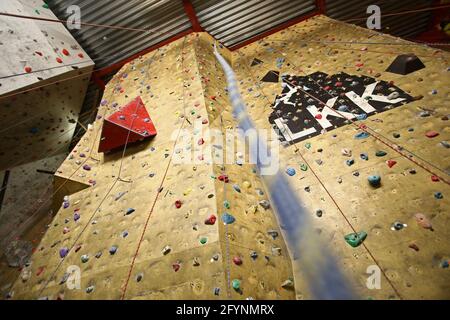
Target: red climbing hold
(318,116)
(224,178)
(176,266)
(237,261)
(38,53)
(431,134)
(65,52)
(130,124)
(178,204)
(59,60)
(211,220)
(28,69)
(80,55)
(434,178)
(391,163)
(201,141)
(39,271)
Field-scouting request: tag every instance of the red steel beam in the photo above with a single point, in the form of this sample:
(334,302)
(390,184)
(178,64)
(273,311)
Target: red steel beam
(321,7)
(278,28)
(116,66)
(190,11)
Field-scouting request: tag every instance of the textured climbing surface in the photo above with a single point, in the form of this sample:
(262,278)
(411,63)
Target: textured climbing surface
(154,225)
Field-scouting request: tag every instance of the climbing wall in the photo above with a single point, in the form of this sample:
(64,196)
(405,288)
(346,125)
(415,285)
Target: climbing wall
(151,222)
(406,145)
(43,80)
(164,219)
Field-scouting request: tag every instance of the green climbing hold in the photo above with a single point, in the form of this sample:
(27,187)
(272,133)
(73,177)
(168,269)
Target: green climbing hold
(227,204)
(380,153)
(236,284)
(203,240)
(307,145)
(303,167)
(45,6)
(355,239)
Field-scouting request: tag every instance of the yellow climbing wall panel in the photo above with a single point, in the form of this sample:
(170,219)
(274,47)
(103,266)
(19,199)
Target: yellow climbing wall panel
(406,188)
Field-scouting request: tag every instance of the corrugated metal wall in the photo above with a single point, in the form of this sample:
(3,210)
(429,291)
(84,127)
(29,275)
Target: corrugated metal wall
(234,21)
(405,25)
(164,18)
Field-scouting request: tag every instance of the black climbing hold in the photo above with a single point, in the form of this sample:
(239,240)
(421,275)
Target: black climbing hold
(271,76)
(405,64)
(256,62)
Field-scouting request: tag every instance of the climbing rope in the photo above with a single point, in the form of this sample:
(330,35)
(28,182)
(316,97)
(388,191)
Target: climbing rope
(305,249)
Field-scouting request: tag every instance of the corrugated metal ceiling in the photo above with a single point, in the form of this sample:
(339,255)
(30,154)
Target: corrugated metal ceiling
(234,21)
(408,25)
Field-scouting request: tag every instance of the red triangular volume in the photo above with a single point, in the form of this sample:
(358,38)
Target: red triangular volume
(132,119)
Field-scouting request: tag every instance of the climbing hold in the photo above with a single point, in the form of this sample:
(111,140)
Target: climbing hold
(350,162)
(90,289)
(129,211)
(28,69)
(113,250)
(431,134)
(346,152)
(246,184)
(319,213)
(434,178)
(236,284)
(303,167)
(223,178)
(288,284)
(236,188)
(216,291)
(226,204)
(254,255)
(423,221)
(196,262)
(445,264)
(166,250)
(228,218)
(237,261)
(98,254)
(290,171)
(87,167)
(364,156)
(265,204)
(203,240)
(396,135)
(308,145)
(211,220)
(414,246)
(139,277)
(84,258)
(361,135)
(76,216)
(380,153)
(273,234)
(398,226)
(355,239)
(438,195)
(178,204)
(65,52)
(391,163)
(63,252)
(374,181)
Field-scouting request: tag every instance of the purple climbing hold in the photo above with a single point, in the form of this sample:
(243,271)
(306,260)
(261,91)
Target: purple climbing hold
(63,252)
(87,167)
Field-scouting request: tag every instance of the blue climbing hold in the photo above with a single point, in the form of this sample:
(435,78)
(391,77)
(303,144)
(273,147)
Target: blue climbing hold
(361,135)
(362,116)
(438,195)
(343,108)
(374,180)
(290,171)
(364,156)
(228,218)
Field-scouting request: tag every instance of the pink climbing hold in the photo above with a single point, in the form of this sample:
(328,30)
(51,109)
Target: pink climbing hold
(423,221)
(431,134)
(176,266)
